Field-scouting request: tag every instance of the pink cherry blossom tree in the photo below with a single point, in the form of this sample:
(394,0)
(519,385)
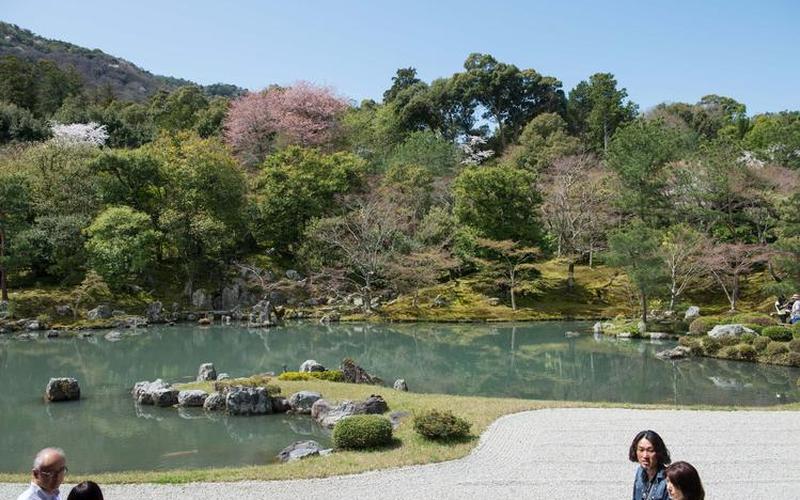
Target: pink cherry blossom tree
(303,114)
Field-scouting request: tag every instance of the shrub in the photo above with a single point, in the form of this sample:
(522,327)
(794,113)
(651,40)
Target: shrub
(710,345)
(254,381)
(796,330)
(747,352)
(440,425)
(362,431)
(729,352)
(756,328)
(777,333)
(760,343)
(747,338)
(777,348)
(754,318)
(793,358)
(702,325)
(329,375)
(794,345)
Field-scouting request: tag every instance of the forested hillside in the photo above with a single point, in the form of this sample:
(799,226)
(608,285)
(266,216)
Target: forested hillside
(99,72)
(482,174)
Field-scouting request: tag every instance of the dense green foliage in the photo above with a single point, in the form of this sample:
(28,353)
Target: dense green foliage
(360,432)
(442,425)
(329,375)
(388,197)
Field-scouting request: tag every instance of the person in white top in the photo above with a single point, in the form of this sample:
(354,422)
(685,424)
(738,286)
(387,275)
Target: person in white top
(795,315)
(49,468)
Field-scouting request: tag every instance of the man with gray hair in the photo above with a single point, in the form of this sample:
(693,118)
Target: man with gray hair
(49,468)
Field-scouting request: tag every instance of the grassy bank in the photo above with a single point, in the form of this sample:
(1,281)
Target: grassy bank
(410,448)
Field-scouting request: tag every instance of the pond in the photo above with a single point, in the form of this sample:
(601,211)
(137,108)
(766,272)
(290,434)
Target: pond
(106,431)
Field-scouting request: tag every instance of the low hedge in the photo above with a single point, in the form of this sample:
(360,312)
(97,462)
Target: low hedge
(780,333)
(701,325)
(329,375)
(761,343)
(440,425)
(755,319)
(362,431)
(775,347)
(794,345)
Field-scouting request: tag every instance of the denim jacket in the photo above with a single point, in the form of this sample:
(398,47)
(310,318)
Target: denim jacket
(658,490)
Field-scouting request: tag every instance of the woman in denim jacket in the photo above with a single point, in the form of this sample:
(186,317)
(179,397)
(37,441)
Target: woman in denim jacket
(650,452)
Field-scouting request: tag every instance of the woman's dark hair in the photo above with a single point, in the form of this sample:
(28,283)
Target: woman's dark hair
(87,490)
(662,453)
(684,476)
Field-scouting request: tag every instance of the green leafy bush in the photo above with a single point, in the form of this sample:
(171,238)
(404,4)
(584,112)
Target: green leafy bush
(754,318)
(796,330)
(747,338)
(777,348)
(443,425)
(761,343)
(729,352)
(781,333)
(756,328)
(254,381)
(710,345)
(329,375)
(362,431)
(794,345)
(701,325)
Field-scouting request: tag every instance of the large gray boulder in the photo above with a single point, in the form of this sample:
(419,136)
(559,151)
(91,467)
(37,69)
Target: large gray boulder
(248,401)
(328,419)
(63,310)
(677,352)
(102,311)
(214,402)
(301,402)
(206,372)
(154,312)
(310,365)
(731,330)
(299,450)
(201,300)
(354,374)
(400,385)
(3,309)
(373,405)
(692,313)
(165,397)
(280,404)
(263,314)
(192,398)
(62,389)
(143,391)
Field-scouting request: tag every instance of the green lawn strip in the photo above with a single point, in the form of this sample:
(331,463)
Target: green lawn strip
(412,448)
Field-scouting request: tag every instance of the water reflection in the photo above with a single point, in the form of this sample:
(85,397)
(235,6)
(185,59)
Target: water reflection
(106,431)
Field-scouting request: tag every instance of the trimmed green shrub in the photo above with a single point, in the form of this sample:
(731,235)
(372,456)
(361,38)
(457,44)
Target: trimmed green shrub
(254,381)
(747,338)
(754,318)
(794,345)
(694,345)
(793,358)
(761,343)
(756,328)
(777,333)
(796,330)
(329,375)
(701,325)
(777,348)
(729,352)
(362,431)
(710,345)
(442,425)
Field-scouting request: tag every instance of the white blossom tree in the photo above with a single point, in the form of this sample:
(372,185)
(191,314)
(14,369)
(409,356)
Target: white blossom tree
(90,134)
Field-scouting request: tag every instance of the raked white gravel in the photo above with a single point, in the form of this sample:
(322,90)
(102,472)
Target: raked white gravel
(552,454)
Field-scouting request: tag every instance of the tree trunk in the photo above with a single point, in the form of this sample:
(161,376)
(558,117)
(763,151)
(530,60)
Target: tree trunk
(571,275)
(3,287)
(512,283)
(591,255)
(735,291)
(605,135)
(644,308)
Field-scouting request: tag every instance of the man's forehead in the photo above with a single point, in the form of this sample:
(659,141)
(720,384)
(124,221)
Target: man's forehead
(52,458)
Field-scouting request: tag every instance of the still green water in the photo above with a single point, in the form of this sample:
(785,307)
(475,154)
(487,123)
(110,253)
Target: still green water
(106,431)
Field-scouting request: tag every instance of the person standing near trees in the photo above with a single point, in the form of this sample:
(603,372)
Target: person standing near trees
(650,452)
(794,317)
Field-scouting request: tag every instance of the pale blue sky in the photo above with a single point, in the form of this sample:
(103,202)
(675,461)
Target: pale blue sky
(659,50)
